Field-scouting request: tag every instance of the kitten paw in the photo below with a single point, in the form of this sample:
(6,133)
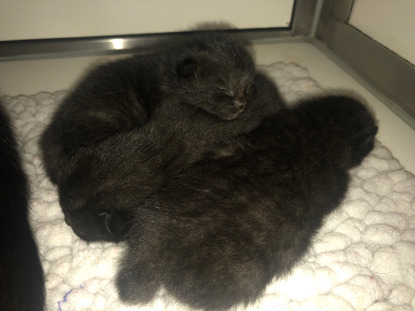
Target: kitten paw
(359,127)
(347,119)
(136,286)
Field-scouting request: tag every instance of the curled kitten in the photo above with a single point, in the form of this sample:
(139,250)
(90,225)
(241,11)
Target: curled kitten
(109,180)
(220,231)
(122,95)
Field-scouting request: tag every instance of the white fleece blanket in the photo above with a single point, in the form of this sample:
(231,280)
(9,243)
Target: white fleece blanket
(362,259)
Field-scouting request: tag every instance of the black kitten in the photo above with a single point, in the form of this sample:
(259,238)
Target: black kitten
(21,273)
(110,179)
(122,95)
(218,233)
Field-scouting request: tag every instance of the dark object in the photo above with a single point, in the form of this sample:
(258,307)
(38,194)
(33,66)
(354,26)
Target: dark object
(21,273)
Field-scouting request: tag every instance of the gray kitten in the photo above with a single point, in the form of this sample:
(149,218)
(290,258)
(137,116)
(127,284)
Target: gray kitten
(112,178)
(219,232)
(132,124)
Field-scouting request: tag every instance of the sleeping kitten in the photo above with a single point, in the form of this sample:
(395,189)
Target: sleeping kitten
(218,233)
(98,125)
(109,180)
(120,96)
(21,273)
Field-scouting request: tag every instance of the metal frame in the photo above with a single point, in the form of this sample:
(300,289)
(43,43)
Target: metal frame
(385,70)
(303,13)
(62,47)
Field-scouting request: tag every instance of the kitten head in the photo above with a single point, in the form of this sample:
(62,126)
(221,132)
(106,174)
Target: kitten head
(110,226)
(89,218)
(214,73)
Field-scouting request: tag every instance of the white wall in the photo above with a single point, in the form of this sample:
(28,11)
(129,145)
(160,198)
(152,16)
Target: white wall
(34,19)
(390,22)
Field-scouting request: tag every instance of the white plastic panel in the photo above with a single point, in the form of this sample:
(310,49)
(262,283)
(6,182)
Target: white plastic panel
(391,23)
(28,19)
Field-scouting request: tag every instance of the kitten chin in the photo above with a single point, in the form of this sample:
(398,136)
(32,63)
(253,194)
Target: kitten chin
(217,234)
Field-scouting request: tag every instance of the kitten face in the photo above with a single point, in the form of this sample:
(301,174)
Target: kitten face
(221,89)
(103,226)
(215,75)
(89,220)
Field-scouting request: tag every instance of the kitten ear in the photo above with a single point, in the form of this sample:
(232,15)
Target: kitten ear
(187,67)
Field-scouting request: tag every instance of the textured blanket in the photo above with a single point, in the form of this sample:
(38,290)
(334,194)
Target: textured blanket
(362,259)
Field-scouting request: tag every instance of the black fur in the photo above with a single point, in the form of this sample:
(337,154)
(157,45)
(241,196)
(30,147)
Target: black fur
(21,273)
(218,233)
